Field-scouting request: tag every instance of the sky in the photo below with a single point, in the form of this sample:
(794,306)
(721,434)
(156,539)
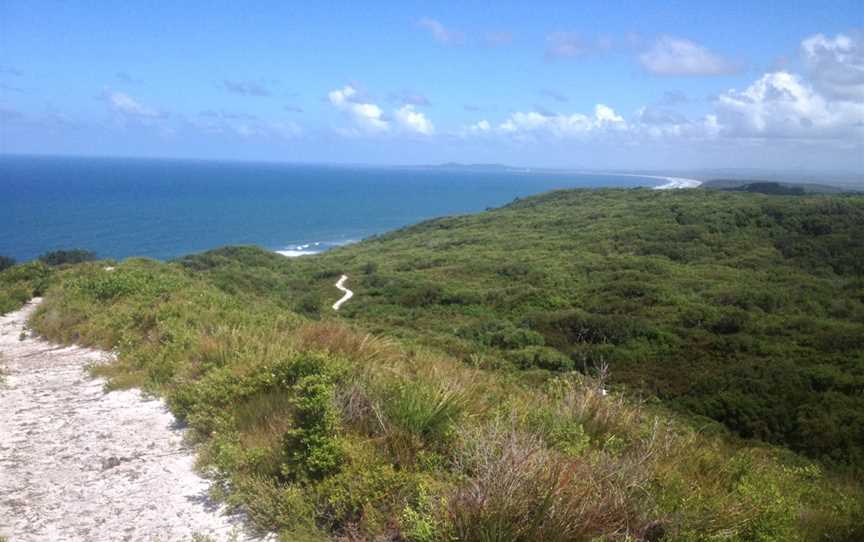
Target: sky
(576,84)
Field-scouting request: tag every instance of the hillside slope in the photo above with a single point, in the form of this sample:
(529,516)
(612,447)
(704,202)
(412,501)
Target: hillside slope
(743,308)
(458,424)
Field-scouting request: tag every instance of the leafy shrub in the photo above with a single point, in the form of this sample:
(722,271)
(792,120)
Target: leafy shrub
(312,448)
(19,283)
(730,321)
(365,494)
(309,304)
(60,257)
(563,328)
(6,262)
(501,334)
(541,357)
(420,295)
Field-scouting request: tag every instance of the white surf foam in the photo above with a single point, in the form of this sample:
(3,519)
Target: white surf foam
(297,253)
(676,182)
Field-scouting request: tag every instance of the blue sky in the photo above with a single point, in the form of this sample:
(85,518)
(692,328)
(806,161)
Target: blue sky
(671,85)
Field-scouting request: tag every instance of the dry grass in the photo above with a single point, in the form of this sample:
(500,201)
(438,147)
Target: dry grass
(517,489)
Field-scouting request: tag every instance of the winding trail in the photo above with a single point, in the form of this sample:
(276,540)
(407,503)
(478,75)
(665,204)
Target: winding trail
(348,293)
(77,463)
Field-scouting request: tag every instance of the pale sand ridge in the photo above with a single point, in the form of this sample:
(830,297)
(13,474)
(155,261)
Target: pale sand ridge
(77,463)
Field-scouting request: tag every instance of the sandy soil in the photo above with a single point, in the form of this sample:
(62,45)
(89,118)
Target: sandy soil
(77,463)
(348,293)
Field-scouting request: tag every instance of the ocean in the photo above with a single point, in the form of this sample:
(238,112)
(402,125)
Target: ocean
(168,208)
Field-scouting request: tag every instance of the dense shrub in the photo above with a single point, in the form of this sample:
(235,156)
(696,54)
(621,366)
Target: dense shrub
(19,283)
(501,334)
(60,257)
(6,262)
(575,326)
(541,357)
(312,448)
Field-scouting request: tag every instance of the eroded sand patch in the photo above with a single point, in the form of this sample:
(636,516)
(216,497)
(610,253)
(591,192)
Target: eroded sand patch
(77,463)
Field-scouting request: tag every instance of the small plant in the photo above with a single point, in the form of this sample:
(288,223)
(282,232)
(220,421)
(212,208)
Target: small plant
(429,410)
(312,449)
(310,304)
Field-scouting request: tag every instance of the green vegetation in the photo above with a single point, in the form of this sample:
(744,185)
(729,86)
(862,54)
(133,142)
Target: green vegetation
(776,188)
(60,257)
(741,308)
(18,284)
(6,262)
(441,402)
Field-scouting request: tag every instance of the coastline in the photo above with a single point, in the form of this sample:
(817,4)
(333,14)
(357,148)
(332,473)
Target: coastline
(671,182)
(676,182)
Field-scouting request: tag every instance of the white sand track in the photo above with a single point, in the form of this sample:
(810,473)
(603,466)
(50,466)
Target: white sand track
(77,463)
(348,293)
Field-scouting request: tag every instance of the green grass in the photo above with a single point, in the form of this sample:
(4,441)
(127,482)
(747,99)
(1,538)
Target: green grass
(418,412)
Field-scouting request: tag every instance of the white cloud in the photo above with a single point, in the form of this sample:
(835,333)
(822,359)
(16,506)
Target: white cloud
(122,103)
(441,33)
(533,124)
(367,116)
(677,56)
(481,126)
(370,119)
(836,65)
(652,123)
(414,121)
(782,105)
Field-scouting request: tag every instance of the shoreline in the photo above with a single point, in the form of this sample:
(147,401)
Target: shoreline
(671,182)
(676,182)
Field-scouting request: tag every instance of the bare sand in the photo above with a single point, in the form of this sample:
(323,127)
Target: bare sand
(348,293)
(77,463)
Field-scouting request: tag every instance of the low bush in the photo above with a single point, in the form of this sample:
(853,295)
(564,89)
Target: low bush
(541,357)
(501,334)
(61,257)
(6,262)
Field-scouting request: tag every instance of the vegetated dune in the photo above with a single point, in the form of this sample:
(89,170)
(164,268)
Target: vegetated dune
(408,415)
(79,464)
(746,309)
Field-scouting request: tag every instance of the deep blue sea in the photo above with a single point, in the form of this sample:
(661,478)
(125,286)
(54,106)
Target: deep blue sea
(168,208)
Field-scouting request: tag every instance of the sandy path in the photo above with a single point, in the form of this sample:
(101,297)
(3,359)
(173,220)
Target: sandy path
(348,293)
(77,463)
